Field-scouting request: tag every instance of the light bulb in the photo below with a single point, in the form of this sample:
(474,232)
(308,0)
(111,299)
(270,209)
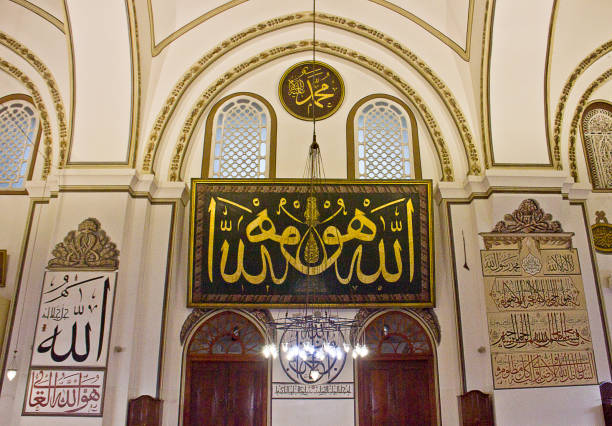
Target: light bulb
(364,351)
(285,346)
(266,351)
(292,353)
(302,354)
(314,374)
(10,374)
(328,348)
(273,351)
(346,347)
(309,348)
(339,354)
(320,355)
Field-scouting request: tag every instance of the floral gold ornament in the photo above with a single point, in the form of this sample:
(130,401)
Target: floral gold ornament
(88,248)
(310,89)
(602,233)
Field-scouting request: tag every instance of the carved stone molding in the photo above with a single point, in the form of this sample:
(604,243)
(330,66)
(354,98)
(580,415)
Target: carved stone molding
(602,233)
(262,316)
(427,315)
(599,52)
(87,248)
(528,218)
(262,58)
(603,78)
(44,72)
(42,110)
(326,19)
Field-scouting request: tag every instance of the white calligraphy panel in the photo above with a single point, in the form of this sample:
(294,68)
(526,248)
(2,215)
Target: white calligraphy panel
(74,319)
(64,392)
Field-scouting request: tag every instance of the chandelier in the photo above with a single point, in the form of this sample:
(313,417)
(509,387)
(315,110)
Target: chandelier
(313,346)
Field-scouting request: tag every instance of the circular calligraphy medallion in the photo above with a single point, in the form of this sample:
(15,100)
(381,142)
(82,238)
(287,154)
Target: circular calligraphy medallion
(305,89)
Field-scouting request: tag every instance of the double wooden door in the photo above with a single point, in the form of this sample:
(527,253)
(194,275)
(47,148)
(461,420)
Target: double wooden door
(396,392)
(229,393)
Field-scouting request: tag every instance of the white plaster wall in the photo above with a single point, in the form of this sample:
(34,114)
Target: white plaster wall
(518,55)
(541,403)
(103,81)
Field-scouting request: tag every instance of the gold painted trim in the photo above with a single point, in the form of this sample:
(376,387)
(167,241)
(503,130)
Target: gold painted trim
(320,117)
(603,104)
(555,160)
(208,134)
(70,50)
(135,65)
(486,94)
(463,53)
(588,60)
(434,349)
(604,77)
(485,66)
(431,242)
(175,170)
(350,135)
(157,48)
(42,13)
(47,75)
(163,117)
(47,153)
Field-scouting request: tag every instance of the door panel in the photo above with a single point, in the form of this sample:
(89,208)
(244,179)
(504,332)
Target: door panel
(225,393)
(396,393)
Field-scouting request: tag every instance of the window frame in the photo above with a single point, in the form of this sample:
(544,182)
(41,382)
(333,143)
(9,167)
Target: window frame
(35,143)
(415,161)
(207,157)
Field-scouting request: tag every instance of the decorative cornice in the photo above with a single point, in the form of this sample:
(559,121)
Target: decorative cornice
(42,110)
(528,218)
(87,248)
(569,84)
(306,45)
(44,72)
(604,77)
(275,24)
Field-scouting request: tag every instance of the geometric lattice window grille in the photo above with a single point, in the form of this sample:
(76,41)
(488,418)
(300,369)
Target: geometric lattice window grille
(383,141)
(395,333)
(240,140)
(597,137)
(19,133)
(226,333)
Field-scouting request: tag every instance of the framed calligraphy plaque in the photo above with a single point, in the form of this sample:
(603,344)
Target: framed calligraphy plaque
(74,319)
(270,243)
(308,88)
(64,392)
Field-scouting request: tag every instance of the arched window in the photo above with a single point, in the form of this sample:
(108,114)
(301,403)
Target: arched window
(382,140)
(597,141)
(19,136)
(240,140)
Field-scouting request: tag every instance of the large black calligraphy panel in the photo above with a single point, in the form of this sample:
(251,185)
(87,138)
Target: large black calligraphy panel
(275,243)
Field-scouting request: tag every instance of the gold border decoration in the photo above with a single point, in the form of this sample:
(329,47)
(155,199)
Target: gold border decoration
(15,72)
(157,48)
(604,77)
(601,231)
(354,27)
(176,164)
(463,53)
(589,60)
(486,98)
(70,49)
(340,182)
(350,135)
(588,150)
(208,134)
(317,118)
(47,75)
(554,157)
(3,264)
(35,143)
(135,66)
(42,13)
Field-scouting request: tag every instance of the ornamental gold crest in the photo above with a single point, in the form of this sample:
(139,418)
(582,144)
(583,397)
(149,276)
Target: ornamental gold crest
(311,88)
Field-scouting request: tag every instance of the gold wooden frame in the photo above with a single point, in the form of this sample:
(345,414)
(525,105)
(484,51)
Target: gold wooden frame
(350,135)
(246,305)
(206,156)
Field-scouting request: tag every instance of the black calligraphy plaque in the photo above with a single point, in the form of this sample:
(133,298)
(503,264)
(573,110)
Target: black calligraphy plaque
(308,88)
(274,243)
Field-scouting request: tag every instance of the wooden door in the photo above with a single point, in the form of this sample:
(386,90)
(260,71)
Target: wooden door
(225,393)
